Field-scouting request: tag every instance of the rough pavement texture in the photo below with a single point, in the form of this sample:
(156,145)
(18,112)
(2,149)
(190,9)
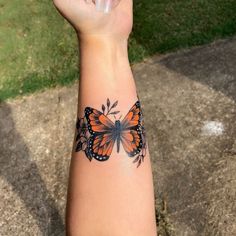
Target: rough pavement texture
(189,100)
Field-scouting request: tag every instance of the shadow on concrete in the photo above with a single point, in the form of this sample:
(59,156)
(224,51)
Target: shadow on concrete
(23,175)
(213,65)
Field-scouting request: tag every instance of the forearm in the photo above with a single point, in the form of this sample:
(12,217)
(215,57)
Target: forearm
(105,72)
(112,197)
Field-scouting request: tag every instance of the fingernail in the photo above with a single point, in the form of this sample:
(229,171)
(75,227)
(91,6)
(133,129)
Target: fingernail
(99,5)
(107,7)
(104,5)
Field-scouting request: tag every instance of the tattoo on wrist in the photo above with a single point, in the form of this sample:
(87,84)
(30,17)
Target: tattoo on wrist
(97,134)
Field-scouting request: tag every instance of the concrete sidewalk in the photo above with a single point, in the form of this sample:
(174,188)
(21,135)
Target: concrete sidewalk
(189,101)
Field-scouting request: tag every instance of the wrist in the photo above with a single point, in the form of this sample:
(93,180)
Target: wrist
(107,46)
(104,58)
(103,37)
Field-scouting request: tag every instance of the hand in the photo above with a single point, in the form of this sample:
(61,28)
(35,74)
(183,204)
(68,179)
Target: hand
(88,22)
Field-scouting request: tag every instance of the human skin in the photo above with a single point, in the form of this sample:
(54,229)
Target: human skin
(113,197)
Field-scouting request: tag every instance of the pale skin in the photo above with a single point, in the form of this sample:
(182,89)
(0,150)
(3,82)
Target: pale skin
(111,198)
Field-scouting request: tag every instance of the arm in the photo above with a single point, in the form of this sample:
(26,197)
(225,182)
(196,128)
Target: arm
(111,197)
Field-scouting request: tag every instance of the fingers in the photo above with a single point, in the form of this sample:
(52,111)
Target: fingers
(107,5)
(104,5)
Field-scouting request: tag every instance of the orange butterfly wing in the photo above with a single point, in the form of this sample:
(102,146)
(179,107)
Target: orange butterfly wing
(101,128)
(131,135)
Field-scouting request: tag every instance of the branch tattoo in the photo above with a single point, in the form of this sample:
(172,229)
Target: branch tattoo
(97,134)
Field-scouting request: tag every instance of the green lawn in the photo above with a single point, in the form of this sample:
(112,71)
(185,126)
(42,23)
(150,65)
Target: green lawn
(38,48)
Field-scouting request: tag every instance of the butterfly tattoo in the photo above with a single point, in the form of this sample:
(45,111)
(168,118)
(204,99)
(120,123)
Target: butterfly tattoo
(97,134)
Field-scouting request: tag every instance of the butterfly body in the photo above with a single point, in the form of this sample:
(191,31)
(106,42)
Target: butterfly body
(104,133)
(117,133)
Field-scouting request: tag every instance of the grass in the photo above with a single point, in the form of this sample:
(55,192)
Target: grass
(38,48)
